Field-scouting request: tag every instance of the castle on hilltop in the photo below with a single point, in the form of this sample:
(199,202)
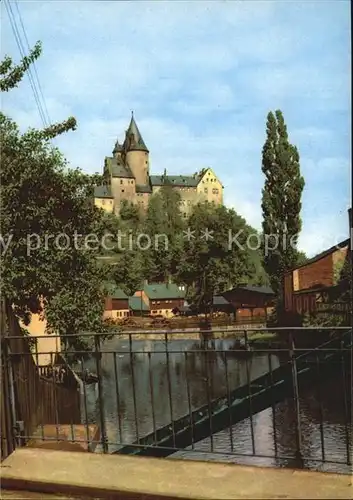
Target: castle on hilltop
(127,177)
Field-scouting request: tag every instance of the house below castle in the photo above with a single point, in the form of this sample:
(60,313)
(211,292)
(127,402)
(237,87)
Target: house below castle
(127,177)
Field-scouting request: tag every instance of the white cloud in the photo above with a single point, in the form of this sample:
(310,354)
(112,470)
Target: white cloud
(201,77)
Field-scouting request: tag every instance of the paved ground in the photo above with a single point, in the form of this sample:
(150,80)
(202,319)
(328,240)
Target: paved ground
(114,476)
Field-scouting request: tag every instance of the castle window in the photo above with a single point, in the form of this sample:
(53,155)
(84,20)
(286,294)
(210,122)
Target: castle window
(206,190)
(121,181)
(215,191)
(123,190)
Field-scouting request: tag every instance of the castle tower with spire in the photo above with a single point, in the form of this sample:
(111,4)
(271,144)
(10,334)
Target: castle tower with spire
(127,178)
(136,153)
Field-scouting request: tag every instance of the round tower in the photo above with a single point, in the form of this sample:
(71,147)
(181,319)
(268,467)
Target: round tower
(136,153)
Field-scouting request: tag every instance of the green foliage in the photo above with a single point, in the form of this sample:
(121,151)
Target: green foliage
(210,266)
(281,200)
(338,300)
(10,74)
(40,200)
(301,258)
(164,225)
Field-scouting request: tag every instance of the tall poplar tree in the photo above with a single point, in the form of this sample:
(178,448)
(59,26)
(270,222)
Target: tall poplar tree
(281,201)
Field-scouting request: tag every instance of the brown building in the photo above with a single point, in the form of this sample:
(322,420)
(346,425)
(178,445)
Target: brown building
(116,304)
(161,299)
(127,177)
(316,281)
(250,301)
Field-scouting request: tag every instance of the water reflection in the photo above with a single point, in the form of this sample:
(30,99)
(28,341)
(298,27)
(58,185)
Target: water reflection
(143,391)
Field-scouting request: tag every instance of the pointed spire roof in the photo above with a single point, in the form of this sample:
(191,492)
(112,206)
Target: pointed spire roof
(118,147)
(133,140)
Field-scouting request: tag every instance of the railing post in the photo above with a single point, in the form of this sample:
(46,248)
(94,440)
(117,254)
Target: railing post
(7,396)
(298,434)
(100,394)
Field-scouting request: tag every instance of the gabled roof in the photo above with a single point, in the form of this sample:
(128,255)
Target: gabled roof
(136,304)
(219,300)
(133,140)
(115,292)
(266,290)
(163,291)
(174,180)
(103,191)
(122,171)
(203,171)
(342,244)
(117,168)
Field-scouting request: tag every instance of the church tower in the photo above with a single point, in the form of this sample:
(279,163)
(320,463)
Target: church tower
(136,154)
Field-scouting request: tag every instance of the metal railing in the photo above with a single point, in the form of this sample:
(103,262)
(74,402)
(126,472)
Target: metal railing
(279,397)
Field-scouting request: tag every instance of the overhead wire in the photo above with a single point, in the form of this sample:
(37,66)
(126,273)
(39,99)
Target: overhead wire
(43,114)
(34,65)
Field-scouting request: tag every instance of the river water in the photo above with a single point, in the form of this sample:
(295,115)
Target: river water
(137,390)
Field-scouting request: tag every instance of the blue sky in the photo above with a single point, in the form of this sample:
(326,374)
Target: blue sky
(201,78)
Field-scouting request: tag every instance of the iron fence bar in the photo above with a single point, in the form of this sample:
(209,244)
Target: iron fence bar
(273,406)
(207,383)
(55,398)
(346,410)
(169,388)
(10,416)
(189,400)
(319,396)
(152,397)
(248,381)
(238,331)
(298,435)
(100,395)
(117,392)
(85,401)
(253,350)
(229,402)
(73,433)
(133,387)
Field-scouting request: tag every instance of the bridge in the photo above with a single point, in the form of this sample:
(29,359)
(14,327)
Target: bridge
(240,399)
(247,400)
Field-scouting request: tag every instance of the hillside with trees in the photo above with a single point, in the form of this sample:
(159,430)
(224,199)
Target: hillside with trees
(45,205)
